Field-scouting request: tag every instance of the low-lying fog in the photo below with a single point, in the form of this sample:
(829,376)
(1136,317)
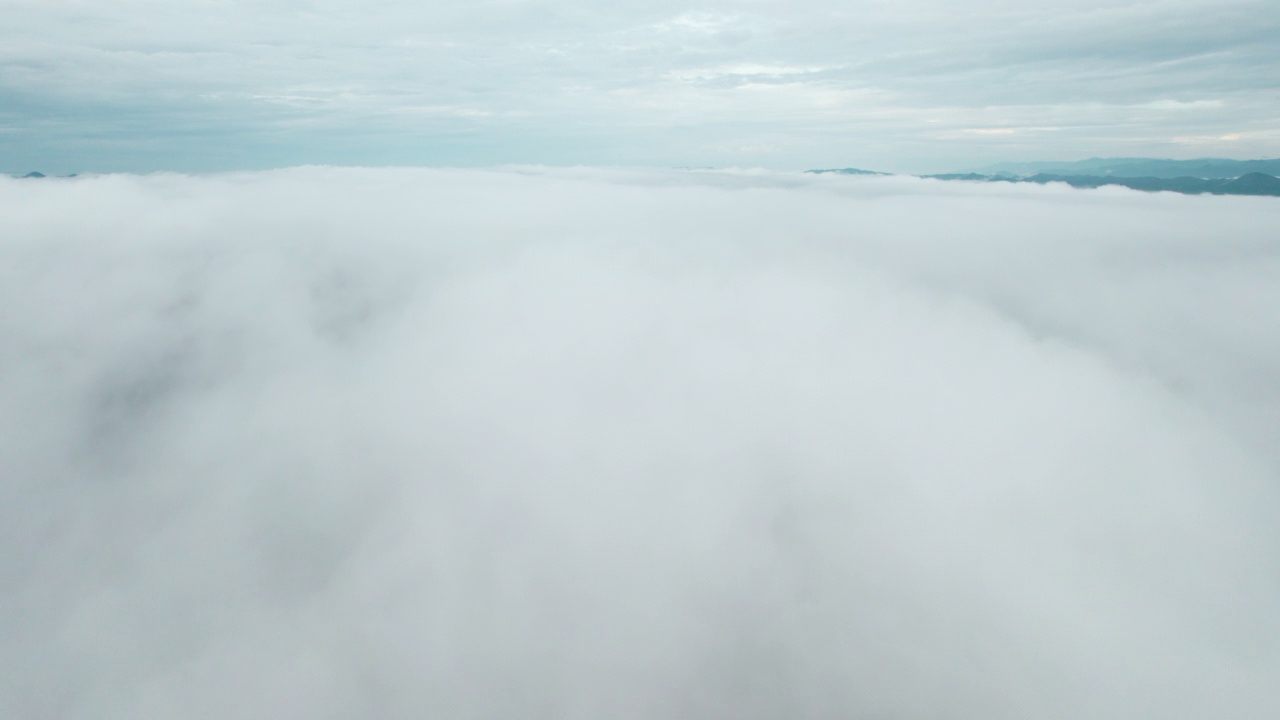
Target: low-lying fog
(579,444)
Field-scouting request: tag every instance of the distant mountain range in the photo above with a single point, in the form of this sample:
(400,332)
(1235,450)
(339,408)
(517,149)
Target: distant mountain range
(35,174)
(1249,184)
(847,171)
(1193,177)
(1206,168)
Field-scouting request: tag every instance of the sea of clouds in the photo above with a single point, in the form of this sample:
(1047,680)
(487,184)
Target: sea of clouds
(339,443)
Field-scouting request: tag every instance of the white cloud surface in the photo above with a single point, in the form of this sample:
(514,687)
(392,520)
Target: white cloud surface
(330,443)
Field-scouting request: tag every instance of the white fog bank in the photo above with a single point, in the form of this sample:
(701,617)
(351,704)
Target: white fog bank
(579,444)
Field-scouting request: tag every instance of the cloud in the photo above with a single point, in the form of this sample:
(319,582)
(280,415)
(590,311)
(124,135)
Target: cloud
(112,85)
(753,71)
(584,443)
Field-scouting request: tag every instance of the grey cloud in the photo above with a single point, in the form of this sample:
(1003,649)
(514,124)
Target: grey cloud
(583,443)
(519,72)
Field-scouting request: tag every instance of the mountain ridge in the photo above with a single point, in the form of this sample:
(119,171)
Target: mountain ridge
(1204,168)
(1249,184)
(1214,176)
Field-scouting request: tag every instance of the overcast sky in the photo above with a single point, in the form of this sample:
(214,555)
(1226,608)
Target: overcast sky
(902,85)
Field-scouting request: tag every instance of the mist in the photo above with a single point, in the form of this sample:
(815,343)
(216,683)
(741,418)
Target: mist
(528,443)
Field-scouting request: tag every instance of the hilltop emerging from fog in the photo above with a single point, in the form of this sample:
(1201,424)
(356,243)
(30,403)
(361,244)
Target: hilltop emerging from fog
(1192,177)
(1205,168)
(1214,176)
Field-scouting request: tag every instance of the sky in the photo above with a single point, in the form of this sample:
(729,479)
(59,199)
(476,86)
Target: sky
(582,443)
(901,85)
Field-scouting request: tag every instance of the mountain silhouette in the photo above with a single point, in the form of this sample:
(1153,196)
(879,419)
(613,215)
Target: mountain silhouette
(1254,184)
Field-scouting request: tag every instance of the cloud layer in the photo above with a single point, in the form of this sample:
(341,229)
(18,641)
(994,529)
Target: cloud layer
(915,85)
(345,443)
